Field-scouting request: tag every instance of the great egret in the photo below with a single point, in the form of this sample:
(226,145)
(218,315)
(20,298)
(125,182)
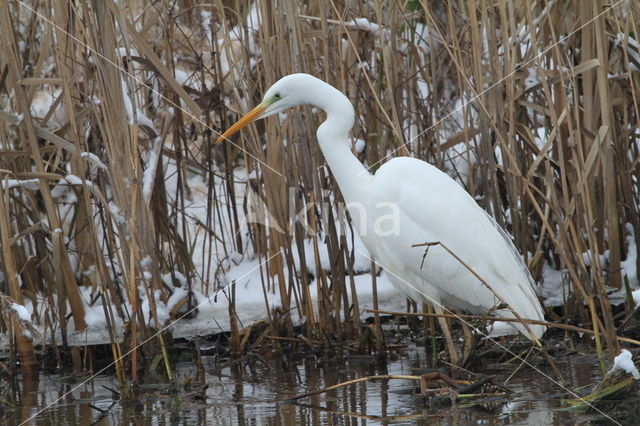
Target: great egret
(424,205)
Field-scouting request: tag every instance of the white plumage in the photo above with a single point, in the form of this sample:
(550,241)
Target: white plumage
(406,202)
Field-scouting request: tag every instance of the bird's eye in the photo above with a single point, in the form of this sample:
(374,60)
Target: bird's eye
(277,96)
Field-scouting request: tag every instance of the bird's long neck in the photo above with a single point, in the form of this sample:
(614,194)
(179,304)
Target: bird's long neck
(333,136)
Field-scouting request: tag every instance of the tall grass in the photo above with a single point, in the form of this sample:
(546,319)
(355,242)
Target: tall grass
(532,106)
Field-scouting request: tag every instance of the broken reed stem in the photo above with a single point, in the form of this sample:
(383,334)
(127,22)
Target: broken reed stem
(233,320)
(165,357)
(498,319)
(295,339)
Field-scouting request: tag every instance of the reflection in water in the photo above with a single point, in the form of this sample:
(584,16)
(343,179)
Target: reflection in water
(250,395)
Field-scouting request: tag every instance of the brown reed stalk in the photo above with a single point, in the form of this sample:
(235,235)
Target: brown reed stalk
(24,345)
(64,276)
(566,196)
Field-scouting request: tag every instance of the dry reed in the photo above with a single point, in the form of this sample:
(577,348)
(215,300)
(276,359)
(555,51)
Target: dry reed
(533,106)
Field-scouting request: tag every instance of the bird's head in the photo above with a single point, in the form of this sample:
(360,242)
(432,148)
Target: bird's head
(285,93)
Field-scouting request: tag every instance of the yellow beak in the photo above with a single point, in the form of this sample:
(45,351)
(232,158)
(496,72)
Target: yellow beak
(246,119)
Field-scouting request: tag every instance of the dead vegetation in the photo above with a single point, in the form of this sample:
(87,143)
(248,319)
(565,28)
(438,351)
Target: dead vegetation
(533,106)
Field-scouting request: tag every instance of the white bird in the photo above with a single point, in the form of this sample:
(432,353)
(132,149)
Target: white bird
(408,202)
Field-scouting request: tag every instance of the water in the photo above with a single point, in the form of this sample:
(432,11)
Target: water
(253,395)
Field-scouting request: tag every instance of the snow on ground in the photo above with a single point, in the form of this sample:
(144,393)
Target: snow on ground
(213,310)
(554,294)
(246,272)
(625,363)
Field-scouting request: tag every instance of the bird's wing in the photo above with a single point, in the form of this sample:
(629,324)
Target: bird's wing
(516,254)
(434,208)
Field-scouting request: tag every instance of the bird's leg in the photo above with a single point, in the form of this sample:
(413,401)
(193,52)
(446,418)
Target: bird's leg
(470,343)
(430,324)
(444,325)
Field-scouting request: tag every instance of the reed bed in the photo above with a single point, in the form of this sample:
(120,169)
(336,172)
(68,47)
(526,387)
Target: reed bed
(532,106)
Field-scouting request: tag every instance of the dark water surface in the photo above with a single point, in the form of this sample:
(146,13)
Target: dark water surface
(251,395)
